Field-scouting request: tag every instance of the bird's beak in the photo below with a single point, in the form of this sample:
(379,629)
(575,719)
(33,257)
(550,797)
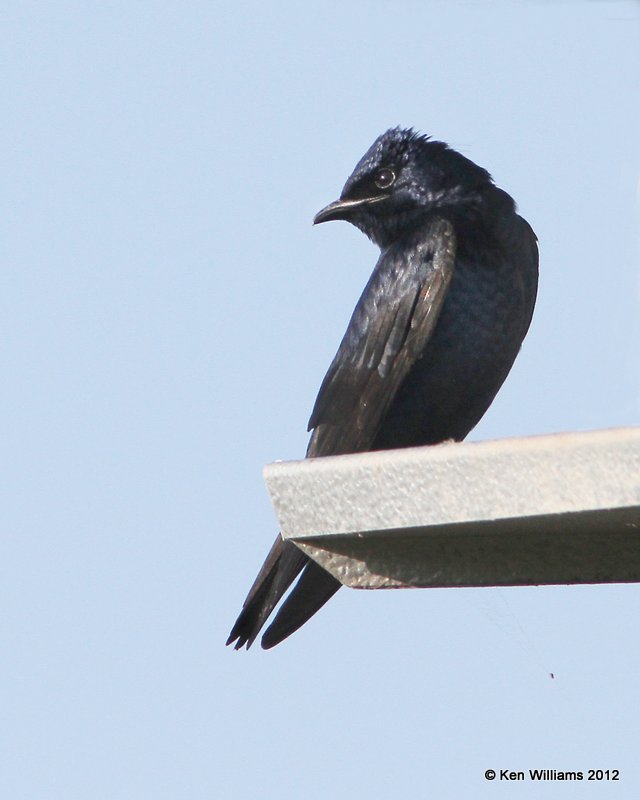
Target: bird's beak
(341,209)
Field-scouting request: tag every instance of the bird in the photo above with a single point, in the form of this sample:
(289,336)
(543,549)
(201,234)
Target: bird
(430,342)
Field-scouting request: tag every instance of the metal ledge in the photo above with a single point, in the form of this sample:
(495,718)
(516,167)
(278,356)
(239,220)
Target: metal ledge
(553,509)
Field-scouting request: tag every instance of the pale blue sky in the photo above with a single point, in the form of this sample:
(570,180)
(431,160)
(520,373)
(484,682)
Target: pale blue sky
(168,313)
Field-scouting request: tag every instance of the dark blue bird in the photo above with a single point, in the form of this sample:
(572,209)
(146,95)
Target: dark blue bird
(430,342)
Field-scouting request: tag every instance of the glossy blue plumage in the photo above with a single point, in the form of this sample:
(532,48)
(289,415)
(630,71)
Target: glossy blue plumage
(431,340)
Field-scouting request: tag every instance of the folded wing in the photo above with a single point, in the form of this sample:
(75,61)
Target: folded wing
(388,331)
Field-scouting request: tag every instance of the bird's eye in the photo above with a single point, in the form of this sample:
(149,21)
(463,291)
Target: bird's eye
(384,178)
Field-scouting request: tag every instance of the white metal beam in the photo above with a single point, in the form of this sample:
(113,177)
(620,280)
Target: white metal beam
(563,508)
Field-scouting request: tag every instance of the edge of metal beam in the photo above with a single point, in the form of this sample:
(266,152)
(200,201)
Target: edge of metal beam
(561,508)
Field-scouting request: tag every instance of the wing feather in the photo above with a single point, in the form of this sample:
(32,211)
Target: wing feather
(381,344)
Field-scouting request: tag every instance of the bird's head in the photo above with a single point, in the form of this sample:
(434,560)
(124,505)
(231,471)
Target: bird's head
(400,178)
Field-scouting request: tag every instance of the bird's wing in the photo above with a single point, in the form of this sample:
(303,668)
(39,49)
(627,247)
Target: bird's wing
(388,331)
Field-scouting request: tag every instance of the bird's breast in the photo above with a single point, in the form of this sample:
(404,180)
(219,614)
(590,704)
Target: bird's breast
(476,339)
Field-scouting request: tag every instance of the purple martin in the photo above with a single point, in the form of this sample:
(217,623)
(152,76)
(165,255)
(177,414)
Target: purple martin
(430,342)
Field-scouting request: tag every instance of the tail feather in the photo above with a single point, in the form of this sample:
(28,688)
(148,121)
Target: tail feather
(280,569)
(278,572)
(314,587)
